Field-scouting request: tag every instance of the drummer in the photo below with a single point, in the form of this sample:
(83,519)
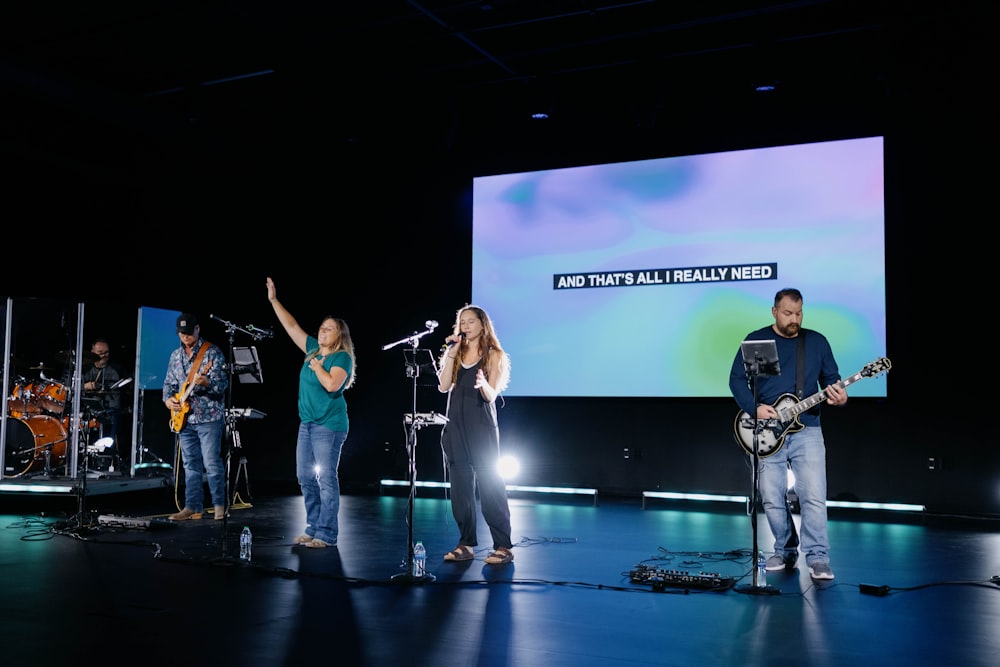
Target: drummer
(98,380)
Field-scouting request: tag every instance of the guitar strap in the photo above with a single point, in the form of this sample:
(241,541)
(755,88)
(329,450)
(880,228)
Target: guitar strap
(196,364)
(800,366)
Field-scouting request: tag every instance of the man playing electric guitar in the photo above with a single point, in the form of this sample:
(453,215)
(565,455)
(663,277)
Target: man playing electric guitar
(194,390)
(178,417)
(802,354)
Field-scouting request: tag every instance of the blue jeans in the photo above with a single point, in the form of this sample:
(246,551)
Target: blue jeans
(201,451)
(805,453)
(317,457)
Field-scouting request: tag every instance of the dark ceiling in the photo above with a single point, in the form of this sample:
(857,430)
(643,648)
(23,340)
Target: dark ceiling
(89,81)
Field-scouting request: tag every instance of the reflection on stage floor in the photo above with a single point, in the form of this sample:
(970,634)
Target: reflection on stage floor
(108,578)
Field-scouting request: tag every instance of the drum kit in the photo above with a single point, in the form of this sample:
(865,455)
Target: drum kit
(39,425)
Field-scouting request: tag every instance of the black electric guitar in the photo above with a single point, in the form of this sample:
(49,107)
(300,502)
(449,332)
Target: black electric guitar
(179,417)
(771,432)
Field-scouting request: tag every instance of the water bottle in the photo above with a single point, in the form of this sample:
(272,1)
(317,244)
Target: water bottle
(246,544)
(761,570)
(419,560)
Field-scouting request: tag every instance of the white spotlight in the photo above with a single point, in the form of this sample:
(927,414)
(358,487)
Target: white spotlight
(508,467)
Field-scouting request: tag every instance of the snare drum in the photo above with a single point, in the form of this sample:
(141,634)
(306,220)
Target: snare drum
(28,442)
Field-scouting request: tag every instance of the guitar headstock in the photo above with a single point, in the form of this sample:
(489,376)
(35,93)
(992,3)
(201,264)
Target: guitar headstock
(876,367)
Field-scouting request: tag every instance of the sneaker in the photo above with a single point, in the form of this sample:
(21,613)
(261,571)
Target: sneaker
(777,563)
(820,571)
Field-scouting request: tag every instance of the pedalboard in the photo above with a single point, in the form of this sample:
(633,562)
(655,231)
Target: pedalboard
(660,579)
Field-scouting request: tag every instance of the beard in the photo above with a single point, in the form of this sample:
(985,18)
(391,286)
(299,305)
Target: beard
(790,330)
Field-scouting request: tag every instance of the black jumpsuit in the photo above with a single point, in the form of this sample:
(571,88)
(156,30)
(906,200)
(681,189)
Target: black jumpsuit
(471,443)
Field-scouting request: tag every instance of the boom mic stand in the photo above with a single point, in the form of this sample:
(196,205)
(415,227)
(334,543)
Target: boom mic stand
(229,419)
(760,358)
(415,422)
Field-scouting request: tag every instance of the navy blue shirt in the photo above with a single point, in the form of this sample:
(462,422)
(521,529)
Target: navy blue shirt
(821,371)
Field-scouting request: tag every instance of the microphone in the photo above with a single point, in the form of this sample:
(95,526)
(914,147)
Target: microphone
(444,347)
(431,324)
(265,333)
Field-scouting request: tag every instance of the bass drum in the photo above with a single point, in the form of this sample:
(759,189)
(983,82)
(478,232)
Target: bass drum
(28,442)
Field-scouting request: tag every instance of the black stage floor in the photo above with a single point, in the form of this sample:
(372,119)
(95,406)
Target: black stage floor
(77,589)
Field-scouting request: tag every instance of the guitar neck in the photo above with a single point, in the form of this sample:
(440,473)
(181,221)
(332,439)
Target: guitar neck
(189,388)
(819,397)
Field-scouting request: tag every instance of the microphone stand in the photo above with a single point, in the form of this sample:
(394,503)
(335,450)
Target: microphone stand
(229,419)
(409,577)
(758,587)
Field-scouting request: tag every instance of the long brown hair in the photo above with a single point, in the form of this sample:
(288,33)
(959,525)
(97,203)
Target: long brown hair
(493,359)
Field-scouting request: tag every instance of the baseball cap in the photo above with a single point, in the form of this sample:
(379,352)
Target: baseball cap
(186,323)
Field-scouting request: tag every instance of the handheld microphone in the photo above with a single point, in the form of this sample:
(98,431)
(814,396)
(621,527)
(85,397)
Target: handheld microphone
(266,333)
(461,335)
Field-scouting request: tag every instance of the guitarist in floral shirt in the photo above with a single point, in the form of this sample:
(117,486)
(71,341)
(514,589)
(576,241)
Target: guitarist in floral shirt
(194,391)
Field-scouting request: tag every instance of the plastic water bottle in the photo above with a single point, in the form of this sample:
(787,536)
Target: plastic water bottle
(419,560)
(761,570)
(246,544)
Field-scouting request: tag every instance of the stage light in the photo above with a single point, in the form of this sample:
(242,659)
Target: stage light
(892,507)
(559,490)
(669,495)
(509,467)
(36,488)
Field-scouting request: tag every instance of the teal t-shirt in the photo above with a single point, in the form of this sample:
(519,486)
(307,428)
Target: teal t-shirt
(316,404)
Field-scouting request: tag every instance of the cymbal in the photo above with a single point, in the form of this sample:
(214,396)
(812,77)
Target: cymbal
(68,355)
(20,361)
(39,367)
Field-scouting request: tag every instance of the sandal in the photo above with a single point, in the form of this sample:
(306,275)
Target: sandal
(317,544)
(461,552)
(501,556)
(302,539)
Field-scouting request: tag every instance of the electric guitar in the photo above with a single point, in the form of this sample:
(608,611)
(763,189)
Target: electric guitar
(771,432)
(179,417)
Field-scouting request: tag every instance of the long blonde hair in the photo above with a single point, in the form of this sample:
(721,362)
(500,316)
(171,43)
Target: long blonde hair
(344,344)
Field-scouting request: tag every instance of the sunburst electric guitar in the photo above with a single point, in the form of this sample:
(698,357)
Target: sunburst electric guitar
(771,432)
(179,417)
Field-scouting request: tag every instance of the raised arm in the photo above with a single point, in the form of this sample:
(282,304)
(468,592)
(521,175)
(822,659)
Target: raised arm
(292,328)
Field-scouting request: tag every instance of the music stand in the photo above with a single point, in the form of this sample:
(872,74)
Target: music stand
(246,365)
(760,358)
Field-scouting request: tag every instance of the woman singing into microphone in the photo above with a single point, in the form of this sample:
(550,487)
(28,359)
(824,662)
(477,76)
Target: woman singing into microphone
(474,371)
